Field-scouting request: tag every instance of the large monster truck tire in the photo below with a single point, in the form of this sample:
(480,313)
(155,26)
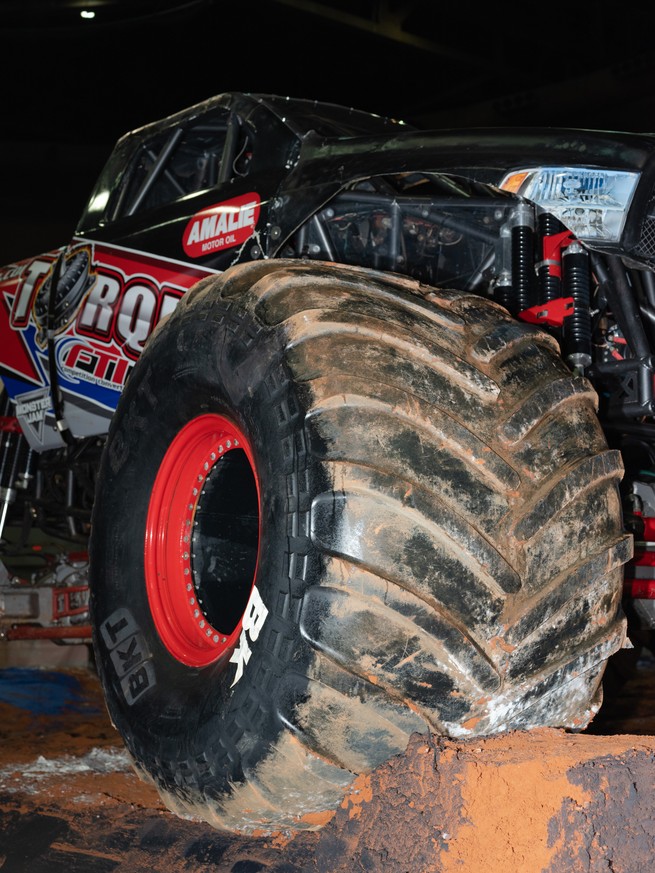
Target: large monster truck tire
(336,508)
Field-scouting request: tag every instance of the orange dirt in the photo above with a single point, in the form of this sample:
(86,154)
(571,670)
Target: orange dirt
(537,802)
(544,801)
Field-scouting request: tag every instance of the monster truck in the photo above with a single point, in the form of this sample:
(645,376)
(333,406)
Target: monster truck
(354,424)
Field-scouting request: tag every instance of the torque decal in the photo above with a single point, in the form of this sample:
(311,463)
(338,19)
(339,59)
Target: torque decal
(18,287)
(106,302)
(221,226)
(124,311)
(31,280)
(100,299)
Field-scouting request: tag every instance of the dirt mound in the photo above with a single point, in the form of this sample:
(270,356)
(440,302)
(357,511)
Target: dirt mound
(538,801)
(543,801)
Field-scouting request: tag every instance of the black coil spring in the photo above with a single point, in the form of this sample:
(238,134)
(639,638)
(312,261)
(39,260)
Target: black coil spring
(577,284)
(550,283)
(523,275)
(504,294)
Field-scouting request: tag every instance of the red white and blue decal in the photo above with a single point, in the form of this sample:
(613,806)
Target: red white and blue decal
(107,301)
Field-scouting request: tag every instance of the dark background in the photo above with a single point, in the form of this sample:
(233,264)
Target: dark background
(71,87)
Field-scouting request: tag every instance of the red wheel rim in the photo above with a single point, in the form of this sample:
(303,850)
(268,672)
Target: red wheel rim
(202,540)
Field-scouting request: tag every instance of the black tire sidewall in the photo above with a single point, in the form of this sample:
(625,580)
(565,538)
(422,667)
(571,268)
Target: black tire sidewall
(221,363)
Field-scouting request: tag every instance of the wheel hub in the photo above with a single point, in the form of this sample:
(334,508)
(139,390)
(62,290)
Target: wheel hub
(202,537)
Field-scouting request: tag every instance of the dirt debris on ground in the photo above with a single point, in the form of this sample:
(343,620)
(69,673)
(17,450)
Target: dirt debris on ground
(543,801)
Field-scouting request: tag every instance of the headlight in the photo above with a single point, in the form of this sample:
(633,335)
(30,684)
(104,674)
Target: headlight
(592,204)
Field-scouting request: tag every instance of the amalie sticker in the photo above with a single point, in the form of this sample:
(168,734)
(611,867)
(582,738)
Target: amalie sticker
(221,226)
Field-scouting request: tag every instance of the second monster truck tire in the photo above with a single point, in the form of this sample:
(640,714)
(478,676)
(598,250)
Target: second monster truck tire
(335,508)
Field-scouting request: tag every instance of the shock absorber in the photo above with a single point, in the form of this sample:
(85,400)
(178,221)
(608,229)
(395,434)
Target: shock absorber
(577,328)
(523,274)
(515,287)
(11,438)
(551,232)
(504,291)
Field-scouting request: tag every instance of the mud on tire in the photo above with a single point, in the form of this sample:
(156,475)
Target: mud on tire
(335,508)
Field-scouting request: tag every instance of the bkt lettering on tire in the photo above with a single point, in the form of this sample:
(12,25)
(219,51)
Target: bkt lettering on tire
(128,654)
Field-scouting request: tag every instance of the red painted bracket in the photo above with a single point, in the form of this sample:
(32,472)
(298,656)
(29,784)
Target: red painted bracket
(552,313)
